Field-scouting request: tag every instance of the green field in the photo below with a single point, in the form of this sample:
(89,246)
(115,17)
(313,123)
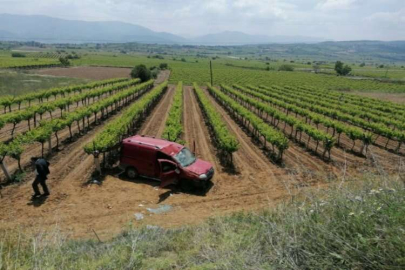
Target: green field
(353,218)
(18,83)
(228,71)
(6,60)
(188,66)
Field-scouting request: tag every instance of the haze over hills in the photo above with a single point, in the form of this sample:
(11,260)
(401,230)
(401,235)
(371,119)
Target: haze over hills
(53,30)
(239,38)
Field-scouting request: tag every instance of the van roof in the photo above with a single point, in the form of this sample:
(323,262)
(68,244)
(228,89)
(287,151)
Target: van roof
(167,147)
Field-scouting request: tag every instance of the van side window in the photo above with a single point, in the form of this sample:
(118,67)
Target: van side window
(167,167)
(161,155)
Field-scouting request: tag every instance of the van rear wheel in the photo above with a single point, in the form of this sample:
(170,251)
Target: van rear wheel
(131,172)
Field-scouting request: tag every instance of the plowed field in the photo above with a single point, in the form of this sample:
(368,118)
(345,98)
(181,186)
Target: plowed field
(79,209)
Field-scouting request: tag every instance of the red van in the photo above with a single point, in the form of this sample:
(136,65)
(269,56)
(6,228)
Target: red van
(165,161)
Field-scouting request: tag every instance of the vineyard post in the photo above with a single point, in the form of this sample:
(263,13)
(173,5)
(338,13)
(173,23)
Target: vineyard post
(96,155)
(50,145)
(212,80)
(5,170)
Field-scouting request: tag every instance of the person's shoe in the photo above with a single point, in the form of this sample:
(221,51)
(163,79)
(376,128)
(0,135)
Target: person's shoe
(45,194)
(35,196)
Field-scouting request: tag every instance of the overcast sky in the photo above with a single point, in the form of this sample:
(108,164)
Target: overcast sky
(330,19)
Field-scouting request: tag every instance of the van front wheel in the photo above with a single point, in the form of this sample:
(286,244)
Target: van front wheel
(131,172)
(186,185)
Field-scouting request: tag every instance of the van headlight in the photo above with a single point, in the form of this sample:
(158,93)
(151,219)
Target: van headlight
(203,176)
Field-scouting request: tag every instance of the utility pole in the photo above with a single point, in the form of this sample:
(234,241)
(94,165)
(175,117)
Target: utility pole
(212,80)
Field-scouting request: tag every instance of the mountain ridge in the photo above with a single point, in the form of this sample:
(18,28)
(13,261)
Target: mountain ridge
(48,29)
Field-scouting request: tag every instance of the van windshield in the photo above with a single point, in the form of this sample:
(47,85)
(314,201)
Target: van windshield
(185,157)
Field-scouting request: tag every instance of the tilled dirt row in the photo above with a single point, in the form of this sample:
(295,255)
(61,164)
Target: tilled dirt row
(73,205)
(340,157)
(5,132)
(155,123)
(34,149)
(78,209)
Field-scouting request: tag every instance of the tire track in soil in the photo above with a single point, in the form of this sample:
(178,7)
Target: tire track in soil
(107,208)
(87,164)
(70,201)
(299,161)
(249,161)
(155,122)
(69,169)
(35,148)
(196,132)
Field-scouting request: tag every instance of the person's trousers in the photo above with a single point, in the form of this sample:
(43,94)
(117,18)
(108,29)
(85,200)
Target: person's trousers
(40,181)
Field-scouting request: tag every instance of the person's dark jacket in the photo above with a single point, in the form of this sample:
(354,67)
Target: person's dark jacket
(42,167)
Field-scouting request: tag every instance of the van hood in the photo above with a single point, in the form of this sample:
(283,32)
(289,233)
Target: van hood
(199,167)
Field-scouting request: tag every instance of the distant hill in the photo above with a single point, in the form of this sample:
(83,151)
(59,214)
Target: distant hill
(52,30)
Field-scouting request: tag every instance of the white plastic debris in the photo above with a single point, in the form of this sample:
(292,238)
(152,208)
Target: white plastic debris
(152,227)
(161,209)
(138,216)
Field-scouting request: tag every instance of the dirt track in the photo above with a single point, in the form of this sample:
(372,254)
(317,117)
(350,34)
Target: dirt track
(93,73)
(77,208)
(109,207)
(155,123)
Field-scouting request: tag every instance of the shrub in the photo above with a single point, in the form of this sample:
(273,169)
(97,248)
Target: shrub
(17,54)
(286,68)
(342,69)
(141,72)
(163,66)
(154,72)
(64,61)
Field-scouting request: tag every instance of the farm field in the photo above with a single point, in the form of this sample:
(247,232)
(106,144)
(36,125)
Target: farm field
(190,72)
(392,97)
(202,135)
(228,69)
(189,69)
(19,83)
(283,147)
(93,73)
(7,61)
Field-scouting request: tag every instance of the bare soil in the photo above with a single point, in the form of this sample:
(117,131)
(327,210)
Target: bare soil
(93,73)
(255,182)
(393,97)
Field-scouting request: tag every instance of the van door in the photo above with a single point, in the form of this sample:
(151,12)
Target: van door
(169,172)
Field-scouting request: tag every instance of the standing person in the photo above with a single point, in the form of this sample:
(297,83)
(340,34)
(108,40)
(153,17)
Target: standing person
(41,171)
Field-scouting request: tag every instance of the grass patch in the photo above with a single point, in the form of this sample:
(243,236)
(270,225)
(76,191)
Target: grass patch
(18,83)
(350,226)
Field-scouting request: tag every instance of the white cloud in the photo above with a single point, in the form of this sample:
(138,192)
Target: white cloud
(336,4)
(397,18)
(331,19)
